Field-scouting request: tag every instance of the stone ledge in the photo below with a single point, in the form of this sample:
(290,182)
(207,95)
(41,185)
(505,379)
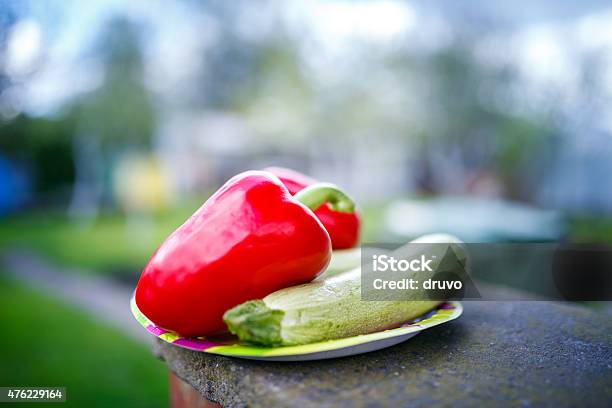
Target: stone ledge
(498,353)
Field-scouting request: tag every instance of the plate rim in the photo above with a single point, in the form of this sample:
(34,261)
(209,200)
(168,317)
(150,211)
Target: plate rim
(445,312)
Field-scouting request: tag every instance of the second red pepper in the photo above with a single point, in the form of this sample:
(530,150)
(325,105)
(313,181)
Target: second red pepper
(343,228)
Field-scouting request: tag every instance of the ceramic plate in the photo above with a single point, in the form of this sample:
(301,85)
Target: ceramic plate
(231,346)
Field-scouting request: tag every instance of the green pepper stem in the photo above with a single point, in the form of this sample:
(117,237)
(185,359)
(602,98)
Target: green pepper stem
(315,195)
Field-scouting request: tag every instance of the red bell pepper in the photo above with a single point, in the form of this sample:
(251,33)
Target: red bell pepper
(249,239)
(343,228)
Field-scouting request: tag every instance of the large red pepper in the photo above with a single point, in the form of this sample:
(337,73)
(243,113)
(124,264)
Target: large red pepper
(343,227)
(247,240)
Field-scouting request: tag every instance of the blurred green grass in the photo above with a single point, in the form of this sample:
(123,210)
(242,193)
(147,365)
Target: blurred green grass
(48,343)
(109,244)
(591,229)
(113,244)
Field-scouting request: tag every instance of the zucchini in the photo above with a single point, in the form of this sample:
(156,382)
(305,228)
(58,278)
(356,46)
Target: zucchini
(332,308)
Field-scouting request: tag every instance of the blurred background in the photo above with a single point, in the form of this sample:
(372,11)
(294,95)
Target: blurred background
(490,120)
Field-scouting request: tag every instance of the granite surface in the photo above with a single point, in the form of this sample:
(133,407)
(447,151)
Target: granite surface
(527,353)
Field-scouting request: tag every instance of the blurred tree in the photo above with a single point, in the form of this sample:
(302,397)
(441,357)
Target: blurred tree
(279,105)
(37,150)
(8,17)
(119,115)
(471,129)
(120,111)
(228,66)
(45,145)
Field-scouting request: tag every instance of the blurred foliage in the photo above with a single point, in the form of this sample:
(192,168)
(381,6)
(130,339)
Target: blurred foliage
(589,229)
(295,96)
(471,127)
(120,111)
(118,115)
(48,343)
(278,97)
(44,144)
